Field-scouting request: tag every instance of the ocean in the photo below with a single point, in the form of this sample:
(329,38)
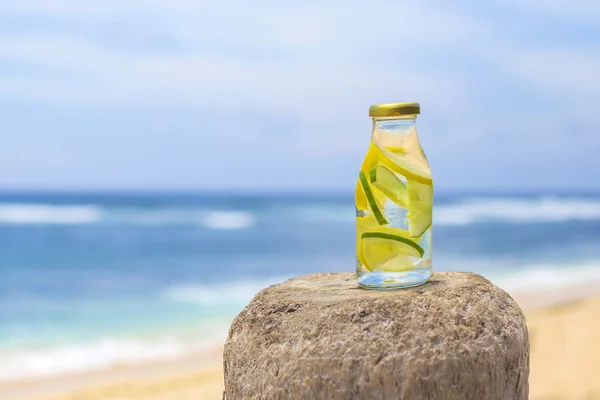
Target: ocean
(92,280)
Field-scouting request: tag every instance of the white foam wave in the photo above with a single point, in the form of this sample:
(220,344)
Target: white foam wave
(228,219)
(476,210)
(538,277)
(150,217)
(101,354)
(15,213)
(44,214)
(207,218)
(522,276)
(79,357)
(469,211)
(236,292)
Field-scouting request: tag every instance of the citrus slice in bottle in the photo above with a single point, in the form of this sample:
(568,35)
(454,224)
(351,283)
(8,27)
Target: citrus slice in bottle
(393,231)
(375,207)
(395,149)
(361,199)
(419,208)
(398,163)
(369,162)
(399,263)
(379,247)
(364,224)
(390,185)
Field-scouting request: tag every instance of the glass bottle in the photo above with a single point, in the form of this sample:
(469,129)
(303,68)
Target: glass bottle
(394,201)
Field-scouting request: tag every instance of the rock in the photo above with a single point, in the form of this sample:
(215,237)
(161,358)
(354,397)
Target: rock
(321,337)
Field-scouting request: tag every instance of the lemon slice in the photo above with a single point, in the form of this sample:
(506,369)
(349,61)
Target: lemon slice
(420,207)
(363,224)
(397,163)
(373,204)
(377,248)
(389,184)
(395,241)
(367,223)
(369,162)
(398,264)
(360,198)
(395,149)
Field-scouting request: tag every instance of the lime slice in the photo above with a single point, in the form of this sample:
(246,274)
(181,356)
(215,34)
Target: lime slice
(373,205)
(361,199)
(419,208)
(377,248)
(397,163)
(389,184)
(392,231)
(397,240)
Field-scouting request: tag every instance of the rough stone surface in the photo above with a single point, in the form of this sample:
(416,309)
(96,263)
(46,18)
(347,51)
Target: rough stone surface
(321,337)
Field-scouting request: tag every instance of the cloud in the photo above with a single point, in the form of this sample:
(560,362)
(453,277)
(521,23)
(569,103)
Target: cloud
(259,77)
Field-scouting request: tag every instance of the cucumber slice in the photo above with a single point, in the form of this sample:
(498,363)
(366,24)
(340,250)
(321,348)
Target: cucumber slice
(397,163)
(389,184)
(420,207)
(378,249)
(373,205)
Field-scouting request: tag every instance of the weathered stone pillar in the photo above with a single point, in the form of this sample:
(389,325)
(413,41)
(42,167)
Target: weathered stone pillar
(321,337)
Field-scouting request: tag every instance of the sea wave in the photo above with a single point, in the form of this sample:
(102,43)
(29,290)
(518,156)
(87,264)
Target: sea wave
(465,212)
(100,354)
(543,277)
(523,211)
(22,214)
(228,219)
(517,275)
(471,210)
(82,214)
(513,276)
(232,292)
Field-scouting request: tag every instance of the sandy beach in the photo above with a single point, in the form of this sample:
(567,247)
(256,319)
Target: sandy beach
(565,360)
(197,376)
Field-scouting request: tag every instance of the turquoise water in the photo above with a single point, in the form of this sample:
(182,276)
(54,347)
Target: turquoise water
(88,281)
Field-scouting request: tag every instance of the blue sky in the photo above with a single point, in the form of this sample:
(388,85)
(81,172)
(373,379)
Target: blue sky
(271,95)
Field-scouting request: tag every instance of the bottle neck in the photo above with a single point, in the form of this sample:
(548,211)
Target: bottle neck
(390,131)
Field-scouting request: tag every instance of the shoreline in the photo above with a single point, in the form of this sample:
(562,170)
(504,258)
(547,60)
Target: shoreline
(203,366)
(533,300)
(554,317)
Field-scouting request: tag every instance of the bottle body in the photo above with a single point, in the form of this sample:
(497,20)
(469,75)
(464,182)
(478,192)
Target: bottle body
(394,202)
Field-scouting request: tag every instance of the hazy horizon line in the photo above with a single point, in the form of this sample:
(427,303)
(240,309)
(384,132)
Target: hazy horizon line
(272,192)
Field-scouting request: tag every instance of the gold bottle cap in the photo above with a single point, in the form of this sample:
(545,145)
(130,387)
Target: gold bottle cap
(394,109)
